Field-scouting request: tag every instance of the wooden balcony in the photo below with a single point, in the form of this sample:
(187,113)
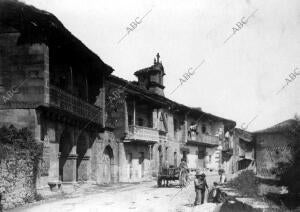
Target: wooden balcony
(227,147)
(210,140)
(64,101)
(204,139)
(144,134)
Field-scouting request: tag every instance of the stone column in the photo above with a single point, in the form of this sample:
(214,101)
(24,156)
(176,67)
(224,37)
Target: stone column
(53,154)
(154,116)
(89,164)
(69,169)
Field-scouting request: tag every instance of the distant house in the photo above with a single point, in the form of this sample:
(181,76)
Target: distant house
(238,151)
(274,145)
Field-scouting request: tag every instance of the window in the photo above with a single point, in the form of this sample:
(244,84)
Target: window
(175,125)
(209,158)
(166,153)
(175,159)
(140,122)
(141,162)
(151,152)
(200,153)
(129,158)
(203,128)
(142,157)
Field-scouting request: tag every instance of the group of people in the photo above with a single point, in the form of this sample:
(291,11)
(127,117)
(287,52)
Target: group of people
(200,183)
(201,186)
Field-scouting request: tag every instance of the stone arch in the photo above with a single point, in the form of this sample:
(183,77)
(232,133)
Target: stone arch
(108,162)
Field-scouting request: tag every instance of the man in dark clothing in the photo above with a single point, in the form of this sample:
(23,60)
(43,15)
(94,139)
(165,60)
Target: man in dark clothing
(200,186)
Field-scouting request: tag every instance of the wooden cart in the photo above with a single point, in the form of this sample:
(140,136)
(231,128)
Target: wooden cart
(167,174)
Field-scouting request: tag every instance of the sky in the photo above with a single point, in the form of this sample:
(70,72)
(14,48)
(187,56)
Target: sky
(239,79)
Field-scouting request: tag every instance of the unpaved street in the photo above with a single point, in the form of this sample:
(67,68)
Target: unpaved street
(139,197)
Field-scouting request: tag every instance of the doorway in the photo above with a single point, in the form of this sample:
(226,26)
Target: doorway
(108,165)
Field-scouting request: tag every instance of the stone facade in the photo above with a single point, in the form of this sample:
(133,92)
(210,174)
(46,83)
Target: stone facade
(45,88)
(19,162)
(240,152)
(155,132)
(96,127)
(270,150)
(19,182)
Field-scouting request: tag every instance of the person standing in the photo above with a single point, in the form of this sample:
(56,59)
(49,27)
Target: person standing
(200,186)
(183,172)
(222,176)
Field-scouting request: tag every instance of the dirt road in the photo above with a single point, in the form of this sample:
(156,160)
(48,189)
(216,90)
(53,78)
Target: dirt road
(139,197)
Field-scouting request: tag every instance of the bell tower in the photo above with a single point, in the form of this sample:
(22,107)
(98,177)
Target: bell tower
(151,78)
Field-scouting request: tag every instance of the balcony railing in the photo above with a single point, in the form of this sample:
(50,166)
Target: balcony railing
(204,139)
(227,146)
(69,103)
(143,134)
(210,139)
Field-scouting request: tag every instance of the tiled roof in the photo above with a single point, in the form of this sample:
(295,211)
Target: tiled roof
(39,26)
(284,126)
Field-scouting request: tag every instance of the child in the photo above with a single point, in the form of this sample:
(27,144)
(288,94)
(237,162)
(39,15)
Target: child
(200,185)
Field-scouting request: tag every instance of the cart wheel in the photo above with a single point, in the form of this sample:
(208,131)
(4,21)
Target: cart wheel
(159,182)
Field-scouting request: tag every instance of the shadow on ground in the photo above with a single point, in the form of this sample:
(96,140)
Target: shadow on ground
(236,207)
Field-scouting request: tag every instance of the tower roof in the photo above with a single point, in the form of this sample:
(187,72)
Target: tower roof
(156,67)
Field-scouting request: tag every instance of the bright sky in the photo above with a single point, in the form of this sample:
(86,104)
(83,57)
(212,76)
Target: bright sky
(238,80)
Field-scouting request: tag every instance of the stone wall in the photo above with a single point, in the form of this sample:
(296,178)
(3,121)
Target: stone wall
(19,159)
(272,149)
(23,71)
(102,170)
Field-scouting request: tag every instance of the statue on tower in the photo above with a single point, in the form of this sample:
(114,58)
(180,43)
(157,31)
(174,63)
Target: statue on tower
(157,56)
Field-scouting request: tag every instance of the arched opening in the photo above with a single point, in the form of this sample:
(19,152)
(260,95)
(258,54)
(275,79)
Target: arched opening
(65,165)
(108,157)
(82,158)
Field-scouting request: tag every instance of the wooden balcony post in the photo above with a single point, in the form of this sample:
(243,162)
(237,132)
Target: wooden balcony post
(126,118)
(134,112)
(185,128)
(102,102)
(154,118)
(46,75)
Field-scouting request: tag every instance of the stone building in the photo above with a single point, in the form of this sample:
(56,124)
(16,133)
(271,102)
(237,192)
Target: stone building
(95,127)
(238,151)
(155,131)
(51,83)
(273,146)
